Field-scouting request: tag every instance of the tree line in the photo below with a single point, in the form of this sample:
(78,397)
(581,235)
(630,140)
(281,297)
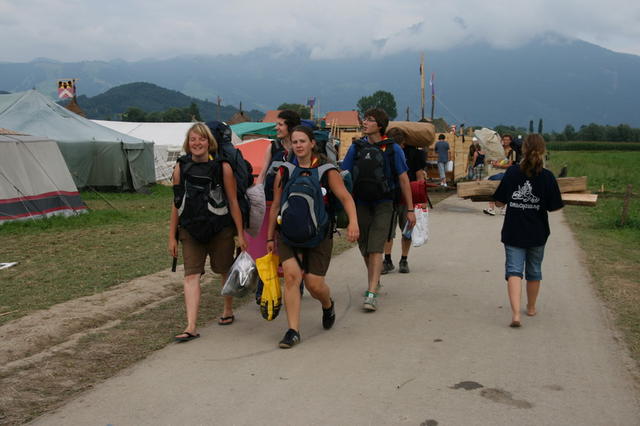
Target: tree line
(171,115)
(588,132)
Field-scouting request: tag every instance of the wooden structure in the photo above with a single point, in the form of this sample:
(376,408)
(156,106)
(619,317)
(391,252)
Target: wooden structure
(573,189)
(459,153)
(344,125)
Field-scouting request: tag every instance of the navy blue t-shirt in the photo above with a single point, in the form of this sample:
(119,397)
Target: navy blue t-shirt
(528,199)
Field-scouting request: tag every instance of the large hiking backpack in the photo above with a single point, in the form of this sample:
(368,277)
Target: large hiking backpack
(371,174)
(242,169)
(305,221)
(277,160)
(199,198)
(326,145)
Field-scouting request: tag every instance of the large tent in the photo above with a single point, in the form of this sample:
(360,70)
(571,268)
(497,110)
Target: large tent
(34,179)
(167,138)
(251,130)
(95,155)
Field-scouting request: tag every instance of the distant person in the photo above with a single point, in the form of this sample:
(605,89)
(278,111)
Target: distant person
(478,161)
(471,159)
(442,149)
(206,223)
(379,172)
(301,255)
(497,168)
(530,191)
(416,163)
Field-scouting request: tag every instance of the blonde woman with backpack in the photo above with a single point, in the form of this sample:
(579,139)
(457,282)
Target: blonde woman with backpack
(305,248)
(204,229)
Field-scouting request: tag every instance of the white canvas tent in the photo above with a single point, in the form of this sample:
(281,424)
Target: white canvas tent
(95,155)
(34,179)
(167,138)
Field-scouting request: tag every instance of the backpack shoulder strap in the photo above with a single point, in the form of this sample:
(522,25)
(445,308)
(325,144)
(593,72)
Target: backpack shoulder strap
(325,168)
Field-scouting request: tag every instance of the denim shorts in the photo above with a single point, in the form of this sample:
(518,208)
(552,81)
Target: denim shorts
(499,176)
(519,260)
(442,167)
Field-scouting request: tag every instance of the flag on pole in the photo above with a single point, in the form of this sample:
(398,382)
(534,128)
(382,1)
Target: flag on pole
(311,102)
(66,89)
(432,85)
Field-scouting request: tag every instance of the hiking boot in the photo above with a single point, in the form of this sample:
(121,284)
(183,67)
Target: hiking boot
(387,266)
(328,316)
(490,212)
(291,337)
(403,267)
(370,302)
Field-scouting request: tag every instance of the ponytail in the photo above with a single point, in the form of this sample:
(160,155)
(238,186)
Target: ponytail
(533,150)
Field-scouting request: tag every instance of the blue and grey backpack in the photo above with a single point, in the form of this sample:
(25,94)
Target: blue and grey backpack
(305,221)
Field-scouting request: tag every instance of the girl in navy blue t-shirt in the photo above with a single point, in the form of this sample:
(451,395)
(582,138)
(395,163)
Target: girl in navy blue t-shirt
(529,191)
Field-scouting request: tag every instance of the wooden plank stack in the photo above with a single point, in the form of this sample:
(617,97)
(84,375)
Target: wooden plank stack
(574,191)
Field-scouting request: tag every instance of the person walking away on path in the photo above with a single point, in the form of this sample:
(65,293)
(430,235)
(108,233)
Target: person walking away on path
(442,149)
(496,169)
(205,217)
(530,191)
(416,163)
(379,172)
(307,254)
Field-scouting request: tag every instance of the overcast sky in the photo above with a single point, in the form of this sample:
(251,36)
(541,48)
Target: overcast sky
(74,30)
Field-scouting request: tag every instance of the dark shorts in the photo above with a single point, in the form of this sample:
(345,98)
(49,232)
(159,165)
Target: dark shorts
(220,250)
(400,219)
(316,259)
(523,262)
(374,221)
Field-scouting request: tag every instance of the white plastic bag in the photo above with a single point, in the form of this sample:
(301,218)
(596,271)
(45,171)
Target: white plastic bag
(243,276)
(420,232)
(450,166)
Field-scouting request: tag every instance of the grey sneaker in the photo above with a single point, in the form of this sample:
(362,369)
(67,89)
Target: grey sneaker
(490,212)
(387,266)
(370,302)
(403,267)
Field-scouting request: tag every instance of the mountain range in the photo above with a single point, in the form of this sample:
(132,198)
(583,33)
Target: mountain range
(559,80)
(151,98)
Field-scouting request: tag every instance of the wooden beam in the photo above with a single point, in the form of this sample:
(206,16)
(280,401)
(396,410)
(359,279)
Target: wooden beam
(578,199)
(486,188)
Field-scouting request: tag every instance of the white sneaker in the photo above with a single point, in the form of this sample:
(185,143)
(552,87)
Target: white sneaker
(503,211)
(490,212)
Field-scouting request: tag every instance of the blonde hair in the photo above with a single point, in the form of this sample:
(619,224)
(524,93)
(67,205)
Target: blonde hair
(201,129)
(533,150)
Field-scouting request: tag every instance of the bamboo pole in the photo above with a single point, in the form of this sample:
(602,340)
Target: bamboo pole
(625,206)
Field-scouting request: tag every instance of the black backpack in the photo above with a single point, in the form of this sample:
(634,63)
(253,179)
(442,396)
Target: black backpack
(371,180)
(242,169)
(277,160)
(202,207)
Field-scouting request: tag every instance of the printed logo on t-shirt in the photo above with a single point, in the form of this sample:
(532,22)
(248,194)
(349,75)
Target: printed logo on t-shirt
(526,196)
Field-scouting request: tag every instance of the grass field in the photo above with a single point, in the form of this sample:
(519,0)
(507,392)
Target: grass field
(612,250)
(124,236)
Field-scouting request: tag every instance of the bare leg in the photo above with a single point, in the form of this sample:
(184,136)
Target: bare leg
(192,301)
(227,309)
(406,245)
(533,288)
(388,246)
(514,290)
(318,289)
(374,268)
(292,278)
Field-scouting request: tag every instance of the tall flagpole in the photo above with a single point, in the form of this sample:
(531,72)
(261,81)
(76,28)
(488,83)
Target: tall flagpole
(433,94)
(422,86)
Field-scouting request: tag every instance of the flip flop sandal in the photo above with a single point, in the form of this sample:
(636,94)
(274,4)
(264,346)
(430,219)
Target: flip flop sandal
(186,338)
(226,320)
